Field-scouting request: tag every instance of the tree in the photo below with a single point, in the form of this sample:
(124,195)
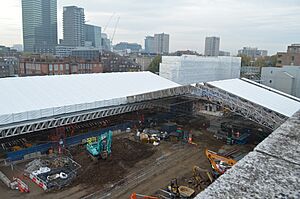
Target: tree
(267,61)
(261,62)
(154,65)
(26,54)
(273,60)
(184,52)
(246,60)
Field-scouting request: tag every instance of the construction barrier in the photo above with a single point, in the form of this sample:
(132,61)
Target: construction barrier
(38,181)
(4,179)
(70,141)
(19,155)
(78,138)
(22,186)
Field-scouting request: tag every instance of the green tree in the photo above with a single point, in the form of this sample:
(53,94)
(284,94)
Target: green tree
(273,60)
(26,54)
(154,65)
(246,60)
(266,61)
(261,62)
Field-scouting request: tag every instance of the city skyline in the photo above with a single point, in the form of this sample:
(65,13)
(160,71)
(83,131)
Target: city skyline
(238,24)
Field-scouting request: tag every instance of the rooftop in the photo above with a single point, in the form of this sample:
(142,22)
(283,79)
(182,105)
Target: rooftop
(41,96)
(259,94)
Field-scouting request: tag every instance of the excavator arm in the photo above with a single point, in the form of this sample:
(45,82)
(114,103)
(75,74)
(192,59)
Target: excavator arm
(136,196)
(212,157)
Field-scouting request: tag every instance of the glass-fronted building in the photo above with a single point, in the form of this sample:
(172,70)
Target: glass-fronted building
(39,25)
(73,26)
(93,35)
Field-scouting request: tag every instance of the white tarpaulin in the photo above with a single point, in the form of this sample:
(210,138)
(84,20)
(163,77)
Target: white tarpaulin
(27,98)
(189,69)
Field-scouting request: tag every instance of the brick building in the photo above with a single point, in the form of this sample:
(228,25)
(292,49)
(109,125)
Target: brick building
(37,65)
(289,58)
(116,63)
(144,60)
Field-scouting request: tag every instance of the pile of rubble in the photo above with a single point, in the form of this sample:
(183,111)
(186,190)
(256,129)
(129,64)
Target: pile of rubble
(154,136)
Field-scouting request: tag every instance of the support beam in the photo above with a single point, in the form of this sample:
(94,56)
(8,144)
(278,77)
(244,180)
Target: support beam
(171,92)
(247,109)
(53,122)
(136,102)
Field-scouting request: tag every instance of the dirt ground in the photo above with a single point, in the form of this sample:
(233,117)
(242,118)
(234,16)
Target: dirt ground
(172,160)
(126,153)
(132,167)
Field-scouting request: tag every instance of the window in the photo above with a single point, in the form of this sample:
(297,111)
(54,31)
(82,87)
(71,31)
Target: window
(293,58)
(56,67)
(74,69)
(67,67)
(61,67)
(50,67)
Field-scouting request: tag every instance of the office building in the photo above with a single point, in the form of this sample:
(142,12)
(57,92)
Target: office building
(189,69)
(73,26)
(224,53)
(105,42)
(285,79)
(253,52)
(161,43)
(212,46)
(86,53)
(63,51)
(291,57)
(149,44)
(92,36)
(39,25)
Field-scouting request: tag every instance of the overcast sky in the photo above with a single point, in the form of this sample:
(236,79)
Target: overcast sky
(266,24)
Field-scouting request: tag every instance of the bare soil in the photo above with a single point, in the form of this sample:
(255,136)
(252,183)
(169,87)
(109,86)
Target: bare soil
(125,154)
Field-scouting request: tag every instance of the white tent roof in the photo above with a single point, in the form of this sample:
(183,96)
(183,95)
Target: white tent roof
(271,89)
(263,96)
(24,98)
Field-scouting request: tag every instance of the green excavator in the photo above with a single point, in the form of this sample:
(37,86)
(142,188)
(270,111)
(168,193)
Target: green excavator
(100,147)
